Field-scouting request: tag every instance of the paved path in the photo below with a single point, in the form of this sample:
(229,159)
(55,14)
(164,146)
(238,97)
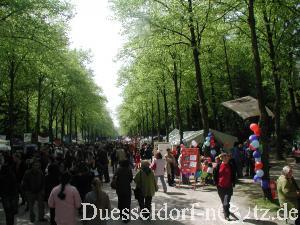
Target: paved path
(206,198)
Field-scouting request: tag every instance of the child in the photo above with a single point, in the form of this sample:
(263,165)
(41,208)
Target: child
(137,160)
(209,177)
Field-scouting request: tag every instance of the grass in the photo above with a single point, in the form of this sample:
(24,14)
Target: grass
(263,203)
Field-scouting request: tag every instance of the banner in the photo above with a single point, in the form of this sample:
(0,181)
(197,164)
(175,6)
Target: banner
(2,137)
(189,160)
(43,140)
(27,137)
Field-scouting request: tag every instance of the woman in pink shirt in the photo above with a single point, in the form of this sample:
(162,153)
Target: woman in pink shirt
(66,200)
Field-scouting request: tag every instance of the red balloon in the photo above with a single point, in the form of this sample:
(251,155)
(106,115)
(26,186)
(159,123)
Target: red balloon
(254,127)
(252,148)
(257,132)
(259,165)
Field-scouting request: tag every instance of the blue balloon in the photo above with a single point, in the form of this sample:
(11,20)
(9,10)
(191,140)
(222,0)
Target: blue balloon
(207,139)
(213,152)
(253,137)
(260,173)
(256,154)
(255,143)
(258,159)
(265,184)
(209,134)
(257,179)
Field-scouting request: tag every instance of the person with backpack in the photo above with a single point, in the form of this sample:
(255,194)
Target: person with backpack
(66,200)
(146,186)
(158,166)
(34,186)
(101,200)
(124,178)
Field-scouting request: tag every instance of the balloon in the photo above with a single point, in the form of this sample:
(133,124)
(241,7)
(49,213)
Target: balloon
(255,143)
(207,143)
(194,143)
(260,173)
(256,154)
(209,134)
(253,137)
(252,148)
(265,184)
(258,159)
(257,133)
(213,145)
(213,152)
(257,179)
(254,127)
(259,165)
(207,139)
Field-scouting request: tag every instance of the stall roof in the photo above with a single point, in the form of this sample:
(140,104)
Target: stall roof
(188,136)
(245,107)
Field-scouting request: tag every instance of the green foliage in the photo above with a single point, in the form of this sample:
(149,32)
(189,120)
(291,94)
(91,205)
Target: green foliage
(42,80)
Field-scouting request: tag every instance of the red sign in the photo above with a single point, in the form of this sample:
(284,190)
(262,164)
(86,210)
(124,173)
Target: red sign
(189,160)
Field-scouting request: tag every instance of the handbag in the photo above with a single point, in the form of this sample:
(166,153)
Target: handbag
(113,183)
(138,190)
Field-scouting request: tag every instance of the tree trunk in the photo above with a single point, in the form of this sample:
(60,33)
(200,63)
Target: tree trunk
(292,91)
(200,89)
(177,99)
(166,109)
(228,68)
(213,101)
(11,103)
(188,118)
(147,120)
(51,116)
(277,81)
(260,92)
(38,110)
(152,120)
(27,125)
(56,125)
(75,124)
(62,134)
(70,125)
(158,116)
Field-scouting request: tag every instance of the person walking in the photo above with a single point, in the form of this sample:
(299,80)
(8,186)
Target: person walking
(158,166)
(225,179)
(170,159)
(145,182)
(9,193)
(66,200)
(34,186)
(288,191)
(101,200)
(124,178)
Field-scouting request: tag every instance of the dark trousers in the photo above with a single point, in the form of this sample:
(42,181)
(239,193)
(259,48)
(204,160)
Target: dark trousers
(225,196)
(145,203)
(104,172)
(124,202)
(10,206)
(171,176)
(32,198)
(52,216)
(297,222)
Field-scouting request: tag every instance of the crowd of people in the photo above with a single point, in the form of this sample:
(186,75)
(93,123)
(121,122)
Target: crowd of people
(66,177)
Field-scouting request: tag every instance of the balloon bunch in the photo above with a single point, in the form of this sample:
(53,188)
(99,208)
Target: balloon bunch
(210,142)
(254,146)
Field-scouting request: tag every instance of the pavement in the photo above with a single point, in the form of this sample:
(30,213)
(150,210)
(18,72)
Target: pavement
(207,208)
(203,205)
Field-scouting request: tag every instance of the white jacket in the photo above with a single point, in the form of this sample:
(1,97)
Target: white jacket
(160,167)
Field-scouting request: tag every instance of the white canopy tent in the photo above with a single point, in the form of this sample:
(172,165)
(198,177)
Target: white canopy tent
(188,136)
